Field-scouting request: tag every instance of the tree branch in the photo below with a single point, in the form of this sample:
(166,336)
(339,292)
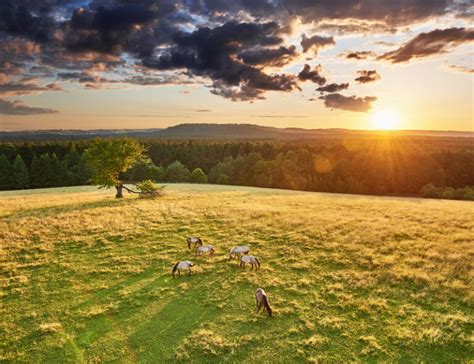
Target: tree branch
(155,193)
(129,190)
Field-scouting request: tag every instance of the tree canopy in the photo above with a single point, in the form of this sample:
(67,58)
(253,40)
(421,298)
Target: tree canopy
(108,158)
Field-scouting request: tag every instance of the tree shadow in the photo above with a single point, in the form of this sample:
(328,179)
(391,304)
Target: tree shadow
(55,210)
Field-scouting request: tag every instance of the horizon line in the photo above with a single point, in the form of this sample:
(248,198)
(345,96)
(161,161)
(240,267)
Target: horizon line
(237,124)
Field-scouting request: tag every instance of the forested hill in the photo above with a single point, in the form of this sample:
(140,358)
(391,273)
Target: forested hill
(214,131)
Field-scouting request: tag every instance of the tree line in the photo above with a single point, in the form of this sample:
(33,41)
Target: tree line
(379,166)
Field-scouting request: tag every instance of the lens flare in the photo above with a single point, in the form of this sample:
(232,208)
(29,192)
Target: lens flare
(385,120)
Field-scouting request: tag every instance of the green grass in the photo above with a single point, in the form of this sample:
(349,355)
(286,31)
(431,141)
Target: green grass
(86,278)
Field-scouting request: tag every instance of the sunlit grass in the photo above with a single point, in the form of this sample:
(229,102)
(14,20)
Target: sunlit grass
(86,277)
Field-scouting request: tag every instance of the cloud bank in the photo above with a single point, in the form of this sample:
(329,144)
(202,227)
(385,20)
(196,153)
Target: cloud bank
(238,49)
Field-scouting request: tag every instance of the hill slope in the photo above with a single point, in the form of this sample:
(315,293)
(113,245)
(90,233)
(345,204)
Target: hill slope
(220,131)
(86,277)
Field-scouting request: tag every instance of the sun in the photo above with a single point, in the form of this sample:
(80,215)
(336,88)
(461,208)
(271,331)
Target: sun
(385,120)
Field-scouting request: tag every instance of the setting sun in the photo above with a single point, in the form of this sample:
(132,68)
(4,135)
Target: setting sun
(385,120)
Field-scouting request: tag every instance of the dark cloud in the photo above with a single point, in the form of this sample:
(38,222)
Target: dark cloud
(26,87)
(269,56)
(464,9)
(312,75)
(366,76)
(81,77)
(357,55)
(315,42)
(429,44)
(229,44)
(349,103)
(17,18)
(19,108)
(106,30)
(333,87)
(242,93)
(212,53)
(394,13)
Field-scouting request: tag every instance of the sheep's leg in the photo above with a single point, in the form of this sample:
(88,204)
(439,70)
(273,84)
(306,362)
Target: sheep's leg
(259,307)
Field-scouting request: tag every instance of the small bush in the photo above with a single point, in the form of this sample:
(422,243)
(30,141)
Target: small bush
(148,189)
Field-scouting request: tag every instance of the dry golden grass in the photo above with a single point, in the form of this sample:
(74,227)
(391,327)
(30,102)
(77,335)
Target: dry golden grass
(86,277)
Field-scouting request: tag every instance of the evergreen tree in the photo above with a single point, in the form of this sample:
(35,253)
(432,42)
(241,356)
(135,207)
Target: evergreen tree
(58,172)
(6,181)
(198,176)
(177,172)
(35,172)
(225,167)
(71,162)
(41,174)
(83,174)
(20,173)
(223,179)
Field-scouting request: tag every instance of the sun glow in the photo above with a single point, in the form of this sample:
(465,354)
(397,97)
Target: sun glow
(385,120)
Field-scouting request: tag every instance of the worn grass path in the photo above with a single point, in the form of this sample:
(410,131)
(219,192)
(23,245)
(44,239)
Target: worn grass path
(86,278)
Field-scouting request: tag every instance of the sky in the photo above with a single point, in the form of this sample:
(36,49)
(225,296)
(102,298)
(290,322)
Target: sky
(356,64)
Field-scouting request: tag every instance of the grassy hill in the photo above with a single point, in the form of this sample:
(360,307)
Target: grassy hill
(86,278)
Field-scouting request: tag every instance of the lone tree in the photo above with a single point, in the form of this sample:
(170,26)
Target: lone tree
(108,158)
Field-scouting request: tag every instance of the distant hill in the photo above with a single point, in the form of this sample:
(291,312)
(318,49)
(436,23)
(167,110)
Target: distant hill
(216,131)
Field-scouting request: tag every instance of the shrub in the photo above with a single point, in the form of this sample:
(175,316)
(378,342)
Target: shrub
(148,189)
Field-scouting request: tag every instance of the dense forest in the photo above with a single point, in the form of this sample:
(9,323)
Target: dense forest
(425,166)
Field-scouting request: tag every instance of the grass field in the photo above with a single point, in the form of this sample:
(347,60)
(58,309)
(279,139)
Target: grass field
(86,277)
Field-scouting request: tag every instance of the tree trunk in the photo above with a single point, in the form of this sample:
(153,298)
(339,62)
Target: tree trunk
(119,189)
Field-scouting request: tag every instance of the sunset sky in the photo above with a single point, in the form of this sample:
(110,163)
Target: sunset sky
(358,64)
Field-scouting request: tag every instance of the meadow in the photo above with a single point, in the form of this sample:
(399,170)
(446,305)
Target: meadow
(85,277)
